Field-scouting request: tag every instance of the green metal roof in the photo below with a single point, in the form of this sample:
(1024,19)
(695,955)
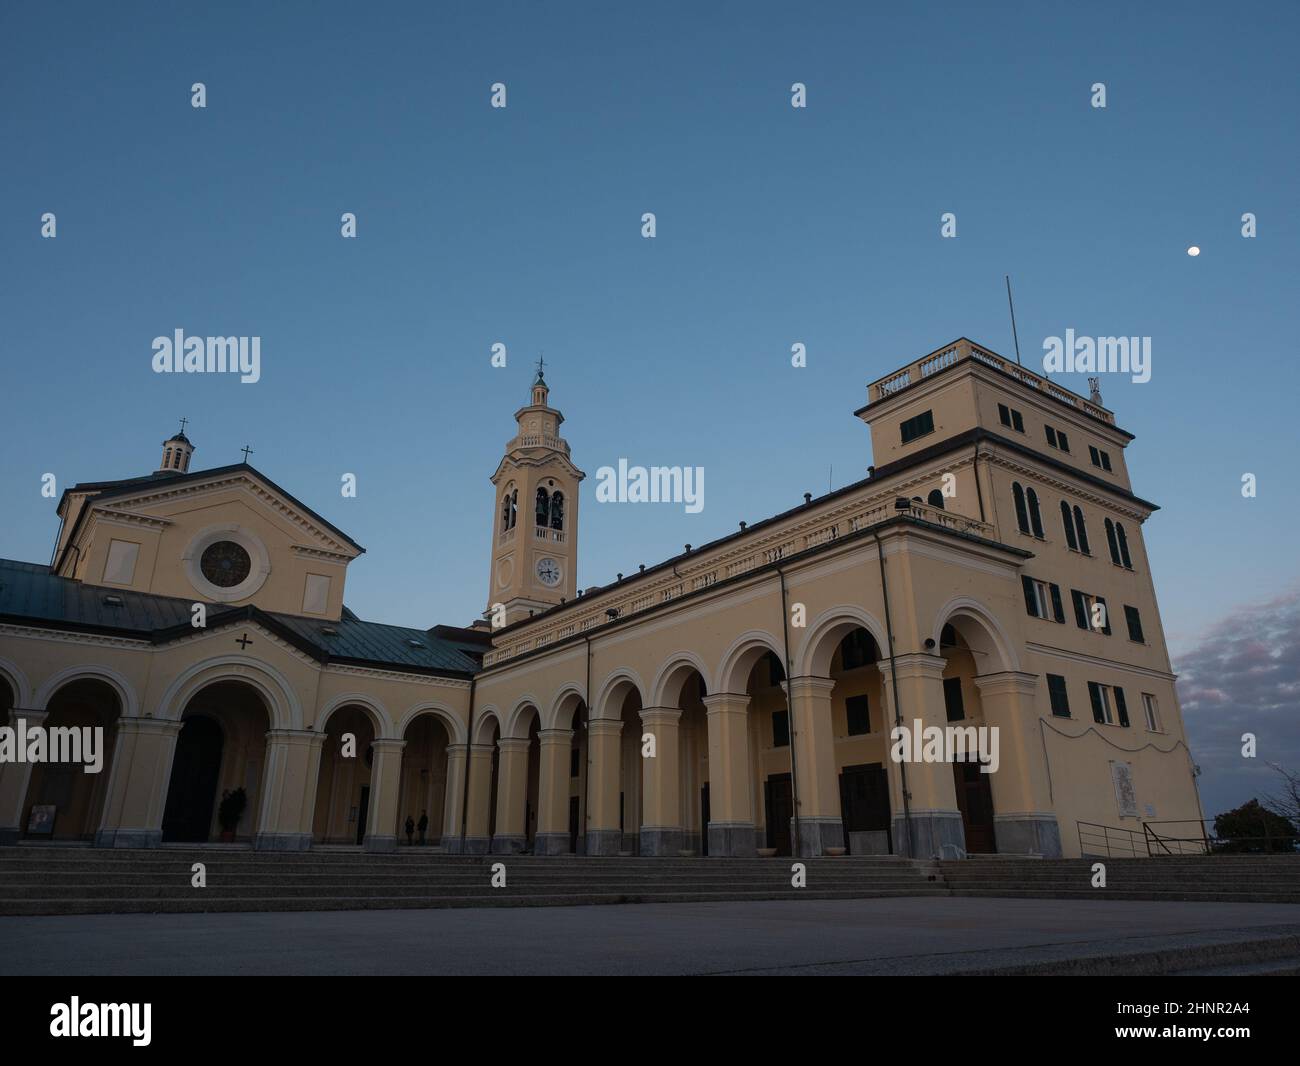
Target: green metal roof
(31,595)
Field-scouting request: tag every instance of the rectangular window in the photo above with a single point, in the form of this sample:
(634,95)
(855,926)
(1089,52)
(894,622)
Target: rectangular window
(918,426)
(1057,439)
(1004,414)
(859,715)
(952,700)
(1099,695)
(1059,697)
(780,729)
(1063,442)
(1086,611)
(1017,423)
(1134,621)
(1094,455)
(1105,462)
(1151,711)
(1051,436)
(1043,599)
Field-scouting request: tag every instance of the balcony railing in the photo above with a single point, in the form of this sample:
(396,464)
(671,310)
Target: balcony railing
(538,440)
(931,364)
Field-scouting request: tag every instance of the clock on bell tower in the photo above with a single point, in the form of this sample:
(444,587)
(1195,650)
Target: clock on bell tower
(535,519)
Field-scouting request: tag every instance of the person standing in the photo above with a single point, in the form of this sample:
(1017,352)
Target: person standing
(422,825)
(410,830)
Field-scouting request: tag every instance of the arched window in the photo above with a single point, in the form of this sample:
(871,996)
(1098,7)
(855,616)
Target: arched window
(543,506)
(1035,516)
(1067,520)
(514,507)
(557,510)
(167,459)
(1022,516)
(1123,545)
(1112,543)
(1081,531)
(505,512)
(936,499)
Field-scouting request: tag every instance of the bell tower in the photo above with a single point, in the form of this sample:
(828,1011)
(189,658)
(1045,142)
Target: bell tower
(535,517)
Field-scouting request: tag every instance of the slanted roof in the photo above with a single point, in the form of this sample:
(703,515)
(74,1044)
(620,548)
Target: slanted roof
(31,595)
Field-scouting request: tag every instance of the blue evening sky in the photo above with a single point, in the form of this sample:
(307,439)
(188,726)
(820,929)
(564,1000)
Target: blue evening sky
(522,226)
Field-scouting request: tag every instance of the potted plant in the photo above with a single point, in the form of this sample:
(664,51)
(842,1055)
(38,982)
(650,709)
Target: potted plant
(230,811)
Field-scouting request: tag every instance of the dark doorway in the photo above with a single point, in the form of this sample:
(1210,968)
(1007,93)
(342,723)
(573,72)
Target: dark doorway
(704,819)
(864,801)
(196,768)
(573,823)
(363,810)
(975,800)
(780,809)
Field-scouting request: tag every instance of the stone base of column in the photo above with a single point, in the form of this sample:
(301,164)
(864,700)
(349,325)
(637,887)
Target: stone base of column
(373,842)
(508,845)
(10,834)
(818,834)
(473,845)
(733,839)
(1027,834)
(934,830)
(282,842)
(604,841)
(661,841)
(551,844)
(123,838)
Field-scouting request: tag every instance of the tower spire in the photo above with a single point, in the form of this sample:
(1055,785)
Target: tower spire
(176,453)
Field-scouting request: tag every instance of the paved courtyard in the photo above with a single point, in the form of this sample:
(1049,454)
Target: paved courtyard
(888,936)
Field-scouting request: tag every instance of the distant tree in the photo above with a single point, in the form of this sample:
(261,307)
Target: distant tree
(1287,804)
(1252,827)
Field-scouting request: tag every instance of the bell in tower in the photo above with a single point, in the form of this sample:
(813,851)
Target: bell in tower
(535,517)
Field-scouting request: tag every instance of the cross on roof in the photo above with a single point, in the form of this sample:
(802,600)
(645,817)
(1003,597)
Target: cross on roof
(246,450)
(541,365)
(183,423)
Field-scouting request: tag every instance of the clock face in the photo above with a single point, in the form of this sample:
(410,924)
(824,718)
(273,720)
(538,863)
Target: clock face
(548,572)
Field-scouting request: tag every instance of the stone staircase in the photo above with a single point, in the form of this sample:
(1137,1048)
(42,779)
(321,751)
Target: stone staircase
(1205,878)
(57,880)
(50,880)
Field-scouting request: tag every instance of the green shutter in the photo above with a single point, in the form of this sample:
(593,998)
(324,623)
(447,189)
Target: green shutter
(1031,601)
(1094,694)
(1080,609)
(1058,611)
(1121,708)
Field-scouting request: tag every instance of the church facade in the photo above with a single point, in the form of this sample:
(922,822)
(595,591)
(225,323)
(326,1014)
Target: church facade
(795,687)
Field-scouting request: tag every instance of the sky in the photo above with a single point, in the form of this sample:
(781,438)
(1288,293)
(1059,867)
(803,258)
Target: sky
(523,226)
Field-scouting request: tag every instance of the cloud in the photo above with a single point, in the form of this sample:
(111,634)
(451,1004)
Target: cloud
(1244,677)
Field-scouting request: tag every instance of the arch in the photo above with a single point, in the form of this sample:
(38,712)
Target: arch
(935,499)
(128,705)
(484,720)
(375,711)
(518,716)
(18,684)
(563,706)
(281,698)
(543,507)
(449,718)
(666,688)
(557,510)
(739,659)
(989,636)
(614,685)
(824,635)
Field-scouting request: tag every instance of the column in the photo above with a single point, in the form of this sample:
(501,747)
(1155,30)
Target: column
(930,824)
(512,796)
(553,792)
(604,744)
(661,826)
(14,779)
(385,782)
(821,825)
(731,808)
(137,783)
(479,813)
(453,798)
(1024,819)
(289,789)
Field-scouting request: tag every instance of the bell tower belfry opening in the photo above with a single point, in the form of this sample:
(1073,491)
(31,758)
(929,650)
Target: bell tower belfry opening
(535,517)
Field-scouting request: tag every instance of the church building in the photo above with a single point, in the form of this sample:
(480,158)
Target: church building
(987,579)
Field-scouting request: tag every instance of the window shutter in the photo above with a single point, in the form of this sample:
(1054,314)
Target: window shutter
(1105,614)
(1080,609)
(1094,694)
(1022,516)
(1058,611)
(1068,522)
(1134,623)
(1111,543)
(1081,531)
(1031,601)
(1064,441)
(1123,546)
(1035,516)
(1121,707)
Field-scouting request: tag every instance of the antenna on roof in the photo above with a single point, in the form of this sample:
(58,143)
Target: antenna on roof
(1013,320)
